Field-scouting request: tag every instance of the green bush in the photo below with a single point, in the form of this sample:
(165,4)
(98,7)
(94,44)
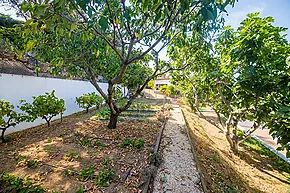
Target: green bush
(163,89)
(44,106)
(132,143)
(150,84)
(104,177)
(103,113)
(10,183)
(171,91)
(89,100)
(12,118)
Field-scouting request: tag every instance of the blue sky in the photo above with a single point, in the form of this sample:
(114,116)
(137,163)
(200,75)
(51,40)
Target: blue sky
(278,9)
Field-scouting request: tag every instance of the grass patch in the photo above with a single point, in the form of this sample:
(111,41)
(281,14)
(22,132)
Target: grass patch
(277,163)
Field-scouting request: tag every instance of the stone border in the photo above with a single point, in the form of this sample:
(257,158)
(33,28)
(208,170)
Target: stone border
(156,148)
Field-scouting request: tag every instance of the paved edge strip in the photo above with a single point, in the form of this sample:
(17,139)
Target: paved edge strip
(199,170)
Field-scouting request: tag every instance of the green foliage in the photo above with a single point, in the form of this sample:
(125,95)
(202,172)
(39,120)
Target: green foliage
(89,100)
(8,117)
(150,84)
(104,177)
(105,38)
(171,90)
(44,106)
(10,183)
(69,171)
(7,21)
(241,74)
(103,113)
(276,161)
(24,161)
(71,156)
(163,89)
(81,190)
(99,143)
(87,173)
(140,105)
(133,143)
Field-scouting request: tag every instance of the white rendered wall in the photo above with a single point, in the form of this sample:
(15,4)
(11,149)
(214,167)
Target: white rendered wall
(158,82)
(16,87)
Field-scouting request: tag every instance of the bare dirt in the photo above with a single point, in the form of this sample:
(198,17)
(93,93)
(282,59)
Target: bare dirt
(226,172)
(92,142)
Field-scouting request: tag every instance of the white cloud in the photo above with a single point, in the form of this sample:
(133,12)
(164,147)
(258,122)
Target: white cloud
(235,17)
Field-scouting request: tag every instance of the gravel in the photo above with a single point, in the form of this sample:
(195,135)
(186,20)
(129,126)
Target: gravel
(178,172)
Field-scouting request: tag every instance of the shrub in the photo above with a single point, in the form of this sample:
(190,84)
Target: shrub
(10,183)
(44,106)
(89,100)
(133,143)
(8,117)
(150,84)
(103,113)
(163,89)
(104,177)
(87,173)
(171,90)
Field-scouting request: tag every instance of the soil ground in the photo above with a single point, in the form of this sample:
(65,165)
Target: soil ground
(57,157)
(251,171)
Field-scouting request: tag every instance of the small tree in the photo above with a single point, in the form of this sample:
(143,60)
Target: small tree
(44,106)
(89,100)
(8,117)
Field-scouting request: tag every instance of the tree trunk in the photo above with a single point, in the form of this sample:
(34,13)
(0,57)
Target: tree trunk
(229,130)
(113,121)
(47,120)
(87,109)
(236,146)
(2,135)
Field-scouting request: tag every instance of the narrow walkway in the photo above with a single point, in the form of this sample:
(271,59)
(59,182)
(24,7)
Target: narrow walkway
(178,171)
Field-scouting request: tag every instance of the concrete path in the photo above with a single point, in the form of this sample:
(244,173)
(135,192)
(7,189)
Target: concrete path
(178,171)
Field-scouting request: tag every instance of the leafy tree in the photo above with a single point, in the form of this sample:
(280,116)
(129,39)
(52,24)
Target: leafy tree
(44,106)
(8,22)
(11,33)
(104,38)
(8,117)
(89,100)
(245,77)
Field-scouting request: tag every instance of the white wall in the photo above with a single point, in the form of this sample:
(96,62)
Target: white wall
(158,82)
(16,87)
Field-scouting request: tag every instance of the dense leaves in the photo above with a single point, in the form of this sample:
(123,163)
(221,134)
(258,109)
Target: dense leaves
(243,76)
(8,22)
(89,100)
(8,117)
(44,106)
(110,39)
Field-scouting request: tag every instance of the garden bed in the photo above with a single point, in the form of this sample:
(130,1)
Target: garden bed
(80,153)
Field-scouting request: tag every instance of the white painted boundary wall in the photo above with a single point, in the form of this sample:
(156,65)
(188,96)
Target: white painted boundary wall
(16,87)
